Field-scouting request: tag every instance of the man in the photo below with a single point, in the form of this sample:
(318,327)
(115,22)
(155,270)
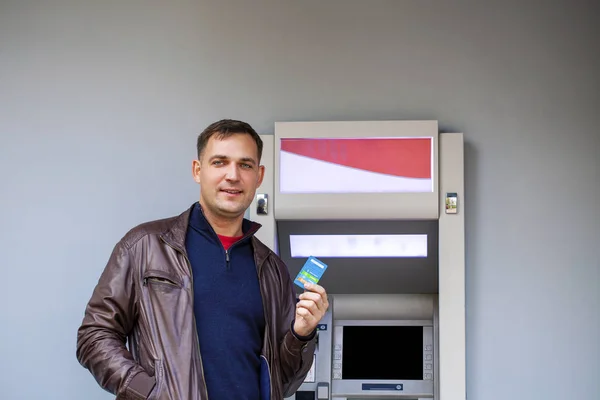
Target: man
(209,311)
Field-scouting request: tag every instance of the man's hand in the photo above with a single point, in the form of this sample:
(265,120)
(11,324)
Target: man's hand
(310,309)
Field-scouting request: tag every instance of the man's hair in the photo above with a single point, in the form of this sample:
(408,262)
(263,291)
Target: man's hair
(225,128)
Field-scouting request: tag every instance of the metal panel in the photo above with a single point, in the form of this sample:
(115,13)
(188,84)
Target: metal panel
(356,205)
(368,275)
(452,346)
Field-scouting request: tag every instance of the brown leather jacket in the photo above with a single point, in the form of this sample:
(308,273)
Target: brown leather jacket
(144,295)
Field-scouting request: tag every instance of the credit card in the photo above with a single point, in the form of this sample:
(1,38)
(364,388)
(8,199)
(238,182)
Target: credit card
(311,272)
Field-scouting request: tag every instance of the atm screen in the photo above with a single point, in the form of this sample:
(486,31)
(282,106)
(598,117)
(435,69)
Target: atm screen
(382,352)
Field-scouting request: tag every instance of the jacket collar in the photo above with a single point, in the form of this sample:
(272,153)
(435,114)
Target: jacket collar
(198,220)
(175,234)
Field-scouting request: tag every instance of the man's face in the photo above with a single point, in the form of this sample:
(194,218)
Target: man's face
(228,173)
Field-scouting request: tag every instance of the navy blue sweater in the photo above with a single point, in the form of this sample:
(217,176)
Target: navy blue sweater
(228,309)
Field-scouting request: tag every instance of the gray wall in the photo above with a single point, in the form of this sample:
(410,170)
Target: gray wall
(100,104)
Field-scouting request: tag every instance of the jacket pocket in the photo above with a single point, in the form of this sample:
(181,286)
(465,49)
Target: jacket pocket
(161,280)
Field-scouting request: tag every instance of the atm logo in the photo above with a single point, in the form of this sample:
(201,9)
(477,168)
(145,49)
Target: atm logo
(356,165)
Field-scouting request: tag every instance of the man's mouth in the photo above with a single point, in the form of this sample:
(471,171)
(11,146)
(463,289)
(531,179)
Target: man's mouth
(231,191)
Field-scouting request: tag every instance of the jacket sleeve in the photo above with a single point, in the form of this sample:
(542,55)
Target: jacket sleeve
(109,317)
(296,353)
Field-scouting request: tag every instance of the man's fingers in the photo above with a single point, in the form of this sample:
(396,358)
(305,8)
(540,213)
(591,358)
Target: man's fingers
(311,306)
(311,296)
(304,312)
(313,287)
(314,298)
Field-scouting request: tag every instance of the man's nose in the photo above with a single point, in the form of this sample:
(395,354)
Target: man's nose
(233,173)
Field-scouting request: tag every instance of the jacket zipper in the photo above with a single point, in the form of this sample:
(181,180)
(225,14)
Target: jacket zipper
(189,265)
(227,251)
(267,317)
(267,324)
(270,377)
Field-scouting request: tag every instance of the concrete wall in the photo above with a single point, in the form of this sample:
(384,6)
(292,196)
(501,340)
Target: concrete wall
(101,102)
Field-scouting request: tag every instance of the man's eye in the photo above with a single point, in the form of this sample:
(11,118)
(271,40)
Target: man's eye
(246,166)
(217,162)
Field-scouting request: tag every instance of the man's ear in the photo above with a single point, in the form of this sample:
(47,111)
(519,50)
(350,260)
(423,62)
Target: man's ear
(196,170)
(261,175)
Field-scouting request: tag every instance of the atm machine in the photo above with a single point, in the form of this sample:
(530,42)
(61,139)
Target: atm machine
(382,204)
